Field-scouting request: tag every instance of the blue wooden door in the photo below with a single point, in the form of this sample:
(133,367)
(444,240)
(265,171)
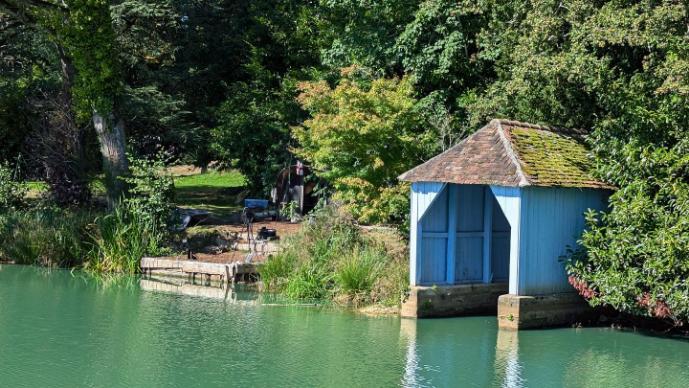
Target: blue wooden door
(469,246)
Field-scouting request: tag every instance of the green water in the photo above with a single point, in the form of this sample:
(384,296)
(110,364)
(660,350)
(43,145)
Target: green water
(59,330)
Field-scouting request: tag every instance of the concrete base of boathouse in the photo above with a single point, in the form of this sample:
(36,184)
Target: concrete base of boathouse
(450,301)
(517,312)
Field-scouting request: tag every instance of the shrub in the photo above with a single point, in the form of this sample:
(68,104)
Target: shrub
(357,273)
(331,258)
(151,193)
(636,255)
(11,191)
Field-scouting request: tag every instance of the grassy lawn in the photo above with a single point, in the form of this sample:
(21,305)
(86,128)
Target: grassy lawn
(214,191)
(210,179)
(37,188)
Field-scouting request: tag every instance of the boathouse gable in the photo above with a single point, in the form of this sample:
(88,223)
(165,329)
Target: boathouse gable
(504,206)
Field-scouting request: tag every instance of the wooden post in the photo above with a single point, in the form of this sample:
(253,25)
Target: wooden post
(451,233)
(487,235)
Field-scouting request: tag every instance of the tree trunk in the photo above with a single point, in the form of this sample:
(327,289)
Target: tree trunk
(110,132)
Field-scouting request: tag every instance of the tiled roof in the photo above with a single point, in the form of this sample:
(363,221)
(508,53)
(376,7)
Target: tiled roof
(512,153)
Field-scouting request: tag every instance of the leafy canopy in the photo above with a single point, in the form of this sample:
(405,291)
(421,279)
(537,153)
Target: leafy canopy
(361,136)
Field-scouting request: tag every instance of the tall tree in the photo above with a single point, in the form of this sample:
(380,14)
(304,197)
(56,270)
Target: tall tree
(90,70)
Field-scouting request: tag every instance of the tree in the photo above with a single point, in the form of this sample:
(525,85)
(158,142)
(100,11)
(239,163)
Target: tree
(90,70)
(253,134)
(360,137)
(39,129)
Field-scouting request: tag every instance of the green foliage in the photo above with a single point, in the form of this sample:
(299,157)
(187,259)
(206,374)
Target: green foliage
(253,135)
(141,223)
(357,273)
(44,236)
(440,49)
(331,258)
(11,190)
(89,38)
(361,138)
(363,32)
(636,254)
(112,242)
(122,238)
(151,194)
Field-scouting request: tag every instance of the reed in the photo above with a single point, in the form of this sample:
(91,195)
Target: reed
(45,236)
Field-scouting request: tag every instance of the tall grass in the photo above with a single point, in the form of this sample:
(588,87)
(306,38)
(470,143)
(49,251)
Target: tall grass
(102,243)
(120,239)
(45,236)
(332,258)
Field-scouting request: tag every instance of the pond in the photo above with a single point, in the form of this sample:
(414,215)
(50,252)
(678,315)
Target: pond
(65,330)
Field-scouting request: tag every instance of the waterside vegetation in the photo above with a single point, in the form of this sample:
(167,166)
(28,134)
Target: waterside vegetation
(38,232)
(333,258)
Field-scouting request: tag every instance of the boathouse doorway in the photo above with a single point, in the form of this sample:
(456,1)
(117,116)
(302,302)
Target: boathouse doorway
(464,238)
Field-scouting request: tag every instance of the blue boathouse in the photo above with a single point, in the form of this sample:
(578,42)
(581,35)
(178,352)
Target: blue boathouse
(495,214)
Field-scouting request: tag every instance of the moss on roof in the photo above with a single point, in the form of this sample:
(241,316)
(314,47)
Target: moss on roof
(553,159)
(514,154)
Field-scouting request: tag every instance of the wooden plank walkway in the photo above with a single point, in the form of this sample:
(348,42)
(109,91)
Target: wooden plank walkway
(229,272)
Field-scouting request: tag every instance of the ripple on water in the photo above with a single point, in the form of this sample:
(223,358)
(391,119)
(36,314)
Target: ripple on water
(61,330)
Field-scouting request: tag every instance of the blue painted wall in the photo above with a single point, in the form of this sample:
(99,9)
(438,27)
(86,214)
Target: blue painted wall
(461,237)
(423,196)
(500,233)
(552,220)
(469,246)
(434,241)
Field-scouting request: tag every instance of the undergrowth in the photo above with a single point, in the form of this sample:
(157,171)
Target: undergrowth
(331,258)
(45,236)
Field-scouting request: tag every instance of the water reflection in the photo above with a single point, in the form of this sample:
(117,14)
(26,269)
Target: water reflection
(473,352)
(508,370)
(411,365)
(448,352)
(184,287)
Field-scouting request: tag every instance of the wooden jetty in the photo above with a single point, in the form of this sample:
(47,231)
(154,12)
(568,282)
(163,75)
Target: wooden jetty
(224,272)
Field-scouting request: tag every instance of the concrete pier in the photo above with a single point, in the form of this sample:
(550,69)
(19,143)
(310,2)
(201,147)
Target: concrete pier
(456,300)
(516,312)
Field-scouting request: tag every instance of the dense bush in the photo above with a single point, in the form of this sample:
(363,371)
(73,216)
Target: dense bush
(331,257)
(151,193)
(120,239)
(637,255)
(111,242)
(253,134)
(11,190)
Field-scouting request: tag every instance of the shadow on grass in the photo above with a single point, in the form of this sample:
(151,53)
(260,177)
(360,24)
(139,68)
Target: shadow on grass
(220,202)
